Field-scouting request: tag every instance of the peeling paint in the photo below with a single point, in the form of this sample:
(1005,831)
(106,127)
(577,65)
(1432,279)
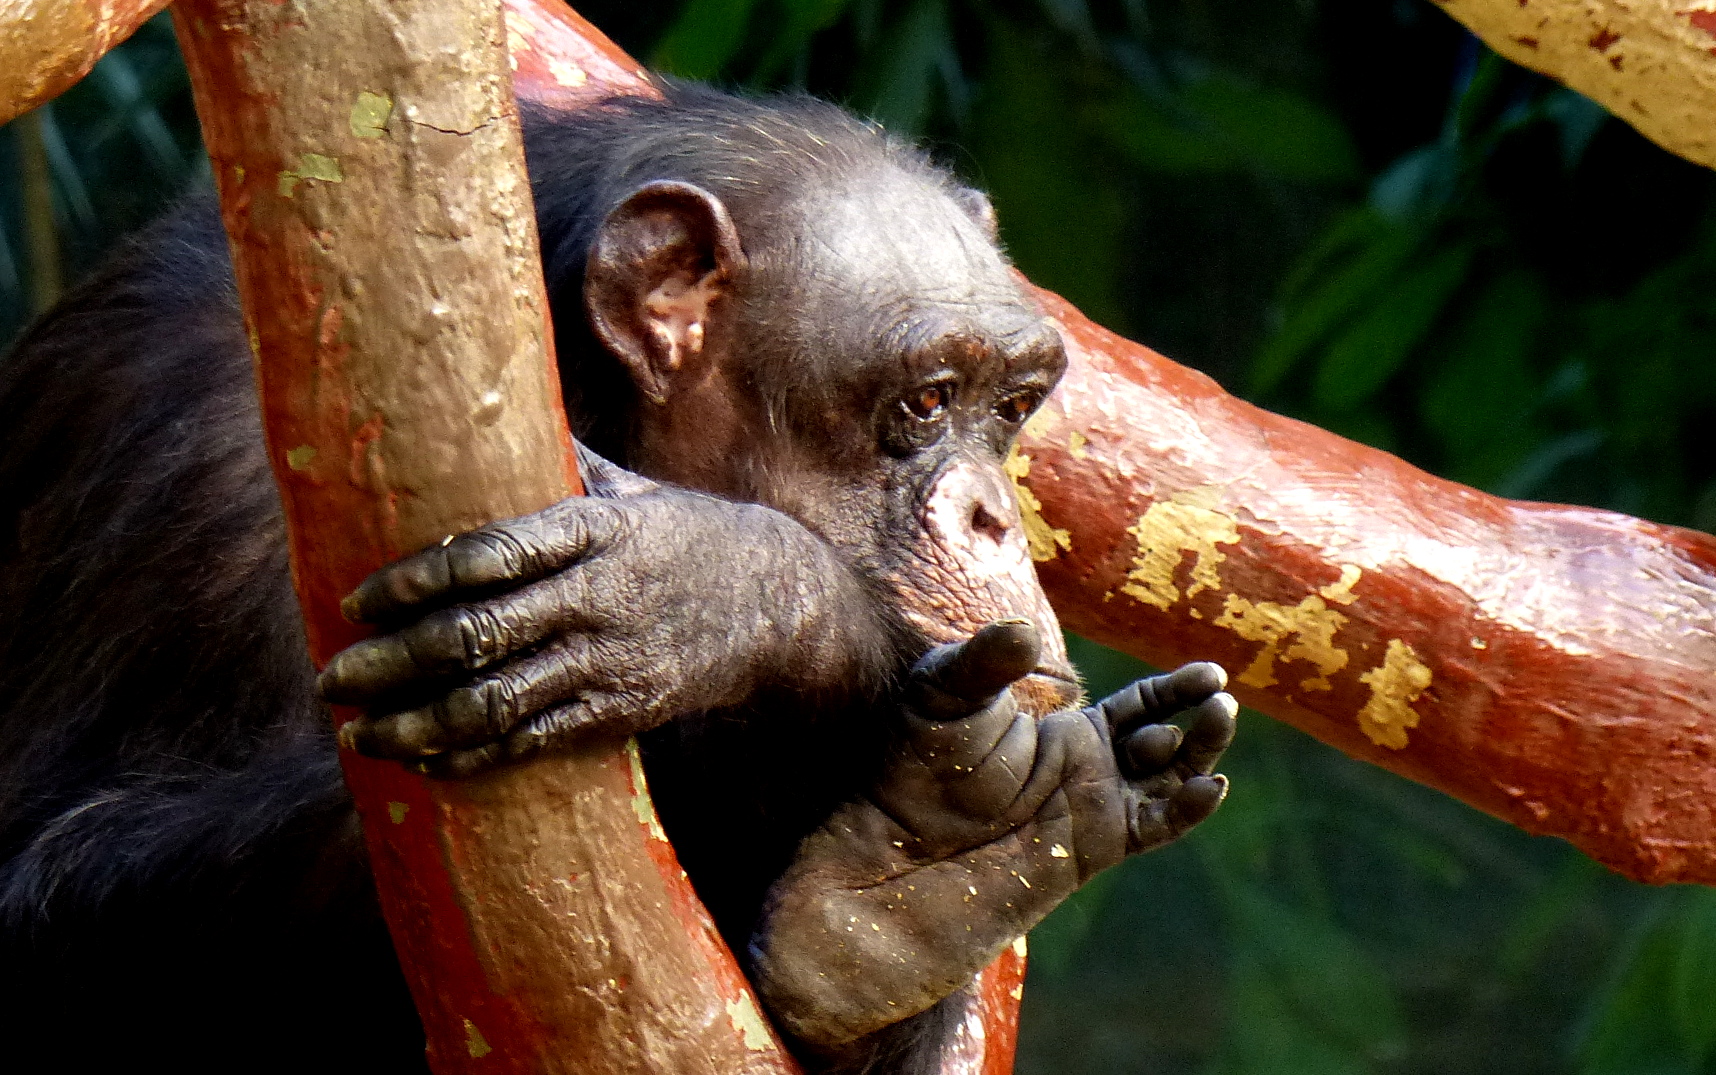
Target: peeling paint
(642,806)
(1044,541)
(566,74)
(1075,445)
(1168,530)
(475,1043)
(1019,947)
(301,457)
(743,1014)
(1311,624)
(396,812)
(1394,685)
(370,113)
(316,166)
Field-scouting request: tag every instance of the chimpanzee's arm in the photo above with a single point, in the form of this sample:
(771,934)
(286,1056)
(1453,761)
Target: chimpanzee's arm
(616,611)
(984,821)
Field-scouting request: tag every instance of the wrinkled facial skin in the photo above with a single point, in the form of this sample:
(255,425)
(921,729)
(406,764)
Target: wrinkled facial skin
(882,421)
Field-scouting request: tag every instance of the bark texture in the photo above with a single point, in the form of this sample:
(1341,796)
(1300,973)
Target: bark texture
(372,181)
(1650,62)
(47,45)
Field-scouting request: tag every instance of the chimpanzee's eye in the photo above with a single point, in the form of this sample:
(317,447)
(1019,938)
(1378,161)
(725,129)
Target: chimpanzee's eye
(1018,407)
(930,401)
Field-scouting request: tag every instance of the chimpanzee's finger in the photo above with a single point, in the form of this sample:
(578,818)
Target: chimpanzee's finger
(1149,749)
(599,713)
(476,713)
(1214,722)
(515,551)
(1159,698)
(457,764)
(1162,821)
(953,682)
(452,642)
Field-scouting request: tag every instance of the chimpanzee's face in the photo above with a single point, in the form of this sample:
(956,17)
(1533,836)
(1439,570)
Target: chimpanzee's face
(868,374)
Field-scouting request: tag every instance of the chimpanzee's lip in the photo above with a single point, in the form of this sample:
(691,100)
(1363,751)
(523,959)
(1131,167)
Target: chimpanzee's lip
(1056,672)
(1048,688)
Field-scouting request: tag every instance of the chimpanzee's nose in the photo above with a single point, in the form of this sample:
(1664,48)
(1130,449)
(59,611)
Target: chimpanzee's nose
(974,499)
(990,521)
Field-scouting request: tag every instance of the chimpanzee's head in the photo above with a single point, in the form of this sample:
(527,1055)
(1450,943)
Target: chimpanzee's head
(811,316)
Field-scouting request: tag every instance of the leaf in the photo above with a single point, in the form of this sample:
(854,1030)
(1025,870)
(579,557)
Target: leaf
(1481,393)
(1323,979)
(1633,1031)
(1378,253)
(1692,981)
(1062,213)
(1268,1035)
(1363,357)
(899,89)
(704,39)
(1276,131)
(801,20)
(1219,125)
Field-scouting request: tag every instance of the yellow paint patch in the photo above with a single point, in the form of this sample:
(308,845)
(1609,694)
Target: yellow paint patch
(1019,947)
(1394,685)
(642,806)
(475,1043)
(1165,533)
(1075,445)
(396,812)
(567,75)
(370,113)
(301,457)
(1311,625)
(1044,541)
(314,166)
(743,1014)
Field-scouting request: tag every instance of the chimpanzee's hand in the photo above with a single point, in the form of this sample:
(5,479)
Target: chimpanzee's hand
(982,823)
(608,613)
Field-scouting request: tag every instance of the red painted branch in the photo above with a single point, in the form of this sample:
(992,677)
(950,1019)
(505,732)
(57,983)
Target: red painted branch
(1550,665)
(47,45)
(372,184)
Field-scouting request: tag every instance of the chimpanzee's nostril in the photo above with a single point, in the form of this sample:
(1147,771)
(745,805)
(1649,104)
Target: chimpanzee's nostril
(985,522)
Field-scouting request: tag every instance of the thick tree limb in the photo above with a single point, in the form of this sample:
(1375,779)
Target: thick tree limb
(47,45)
(372,182)
(1550,665)
(1650,62)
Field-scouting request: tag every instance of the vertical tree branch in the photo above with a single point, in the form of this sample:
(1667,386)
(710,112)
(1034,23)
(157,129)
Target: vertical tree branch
(372,182)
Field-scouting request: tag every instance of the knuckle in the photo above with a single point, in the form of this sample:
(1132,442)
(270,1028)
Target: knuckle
(480,637)
(485,557)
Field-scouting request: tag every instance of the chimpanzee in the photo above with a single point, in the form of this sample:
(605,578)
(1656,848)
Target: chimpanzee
(802,578)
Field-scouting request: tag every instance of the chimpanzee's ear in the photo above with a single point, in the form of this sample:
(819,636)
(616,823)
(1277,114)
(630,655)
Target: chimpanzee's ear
(981,209)
(660,262)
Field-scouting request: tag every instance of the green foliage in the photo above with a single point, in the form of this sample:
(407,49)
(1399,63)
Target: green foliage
(1361,217)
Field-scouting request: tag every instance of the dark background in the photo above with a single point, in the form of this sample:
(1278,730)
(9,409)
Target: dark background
(1347,210)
